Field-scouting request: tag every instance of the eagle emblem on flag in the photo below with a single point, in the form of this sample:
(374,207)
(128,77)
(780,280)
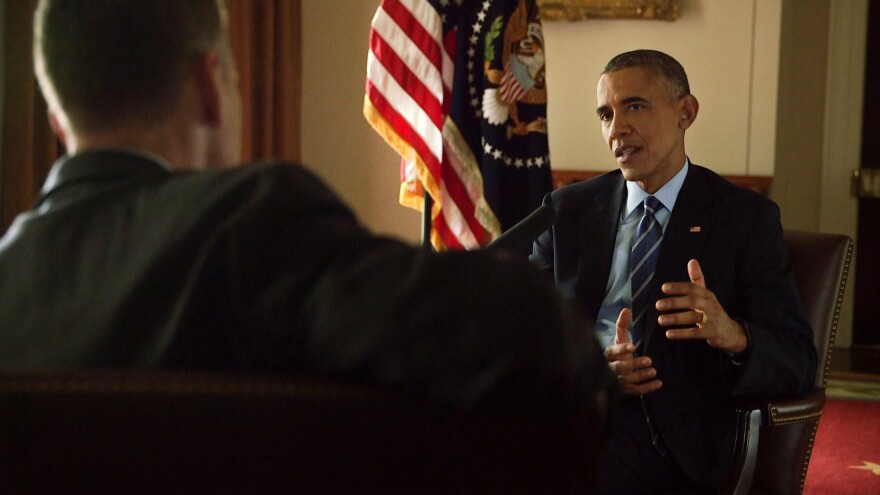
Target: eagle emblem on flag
(522,59)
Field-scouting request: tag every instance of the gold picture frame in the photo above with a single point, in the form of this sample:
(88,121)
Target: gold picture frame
(575,10)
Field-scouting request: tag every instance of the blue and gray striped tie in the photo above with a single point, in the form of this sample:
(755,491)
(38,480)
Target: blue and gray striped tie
(643,258)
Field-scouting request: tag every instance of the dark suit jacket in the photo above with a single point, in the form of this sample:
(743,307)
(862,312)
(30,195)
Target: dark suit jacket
(123,263)
(744,260)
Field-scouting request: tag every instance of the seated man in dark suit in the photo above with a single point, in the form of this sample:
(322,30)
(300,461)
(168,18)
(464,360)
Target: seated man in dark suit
(146,248)
(688,278)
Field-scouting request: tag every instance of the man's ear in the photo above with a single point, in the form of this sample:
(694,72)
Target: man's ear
(58,128)
(208,74)
(689,106)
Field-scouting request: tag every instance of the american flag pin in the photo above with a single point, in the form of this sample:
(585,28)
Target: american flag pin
(695,228)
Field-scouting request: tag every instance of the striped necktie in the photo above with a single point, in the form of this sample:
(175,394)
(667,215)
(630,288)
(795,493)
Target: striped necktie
(643,258)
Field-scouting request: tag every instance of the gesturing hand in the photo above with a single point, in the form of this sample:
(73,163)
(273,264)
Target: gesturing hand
(636,374)
(703,311)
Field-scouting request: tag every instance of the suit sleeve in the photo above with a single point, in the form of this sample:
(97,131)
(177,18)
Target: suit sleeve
(465,328)
(782,357)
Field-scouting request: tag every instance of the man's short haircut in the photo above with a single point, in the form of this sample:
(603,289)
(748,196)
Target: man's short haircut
(105,62)
(664,67)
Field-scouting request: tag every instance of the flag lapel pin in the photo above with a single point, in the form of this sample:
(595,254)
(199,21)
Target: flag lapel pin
(695,229)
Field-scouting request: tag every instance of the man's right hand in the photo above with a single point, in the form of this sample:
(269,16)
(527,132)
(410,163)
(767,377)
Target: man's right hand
(636,374)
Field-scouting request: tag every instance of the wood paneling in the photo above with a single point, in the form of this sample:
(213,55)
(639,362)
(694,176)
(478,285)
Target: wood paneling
(759,184)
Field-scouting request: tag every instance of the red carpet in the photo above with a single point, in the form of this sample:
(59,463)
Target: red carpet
(846,456)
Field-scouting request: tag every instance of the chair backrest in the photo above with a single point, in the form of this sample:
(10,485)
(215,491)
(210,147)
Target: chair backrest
(163,432)
(775,434)
(820,263)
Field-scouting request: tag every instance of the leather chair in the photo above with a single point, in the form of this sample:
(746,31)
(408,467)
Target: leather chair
(170,432)
(775,435)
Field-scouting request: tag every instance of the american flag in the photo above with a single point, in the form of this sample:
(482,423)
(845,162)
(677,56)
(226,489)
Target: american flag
(457,88)
(410,72)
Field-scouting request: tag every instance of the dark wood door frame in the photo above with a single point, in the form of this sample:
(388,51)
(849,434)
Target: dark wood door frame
(866,311)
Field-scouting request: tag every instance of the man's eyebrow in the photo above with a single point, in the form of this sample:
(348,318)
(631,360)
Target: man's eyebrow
(634,99)
(626,101)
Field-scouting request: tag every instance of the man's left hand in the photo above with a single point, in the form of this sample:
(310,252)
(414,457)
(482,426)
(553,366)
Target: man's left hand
(702,310)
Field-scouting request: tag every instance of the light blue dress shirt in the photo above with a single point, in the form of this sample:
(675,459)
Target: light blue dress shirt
(618,294)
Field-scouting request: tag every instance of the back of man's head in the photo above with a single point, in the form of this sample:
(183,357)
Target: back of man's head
(105,62)
(663,66)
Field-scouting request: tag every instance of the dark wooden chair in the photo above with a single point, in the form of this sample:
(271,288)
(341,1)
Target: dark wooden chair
(775,437)
(165,432)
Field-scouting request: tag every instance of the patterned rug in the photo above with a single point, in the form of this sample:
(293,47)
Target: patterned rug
(846,455)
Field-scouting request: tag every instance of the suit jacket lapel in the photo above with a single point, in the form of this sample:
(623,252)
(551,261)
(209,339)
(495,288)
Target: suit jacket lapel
(598,231)
(689,226)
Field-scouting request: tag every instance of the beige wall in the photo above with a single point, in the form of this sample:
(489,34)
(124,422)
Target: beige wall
(729,49)
(337,142)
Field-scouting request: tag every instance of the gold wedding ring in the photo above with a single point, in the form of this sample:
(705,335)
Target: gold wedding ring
(705,317)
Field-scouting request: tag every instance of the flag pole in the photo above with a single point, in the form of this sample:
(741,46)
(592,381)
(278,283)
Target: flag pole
(427,206)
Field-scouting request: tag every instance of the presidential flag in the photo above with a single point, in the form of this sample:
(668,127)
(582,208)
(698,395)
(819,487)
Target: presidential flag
(457,89)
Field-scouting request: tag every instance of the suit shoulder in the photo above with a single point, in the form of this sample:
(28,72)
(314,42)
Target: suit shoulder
(278,186)
(730,193)
(271,177)
(270,171)
(579,191)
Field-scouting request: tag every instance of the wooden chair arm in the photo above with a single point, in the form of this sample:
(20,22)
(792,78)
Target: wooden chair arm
(787,411)
(755,414)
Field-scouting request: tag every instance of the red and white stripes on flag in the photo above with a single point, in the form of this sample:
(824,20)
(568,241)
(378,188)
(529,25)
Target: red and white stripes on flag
(510,89)
(409,82)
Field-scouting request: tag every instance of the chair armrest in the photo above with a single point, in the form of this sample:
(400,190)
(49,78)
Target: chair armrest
(757,413)
(778,410)
(745,451)
(796,410)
